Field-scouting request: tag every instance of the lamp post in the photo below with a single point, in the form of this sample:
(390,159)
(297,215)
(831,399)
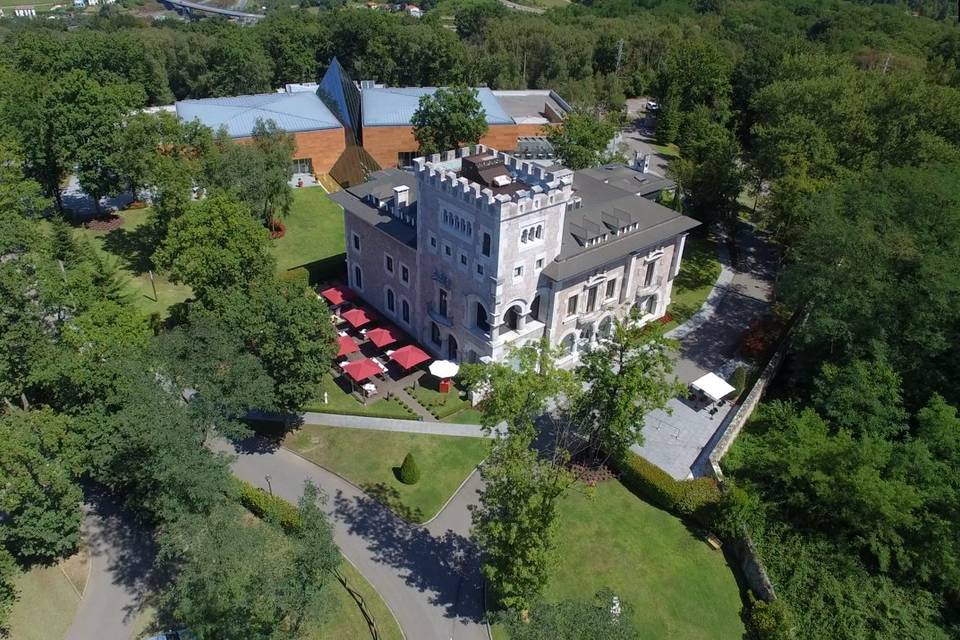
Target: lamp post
(269,486)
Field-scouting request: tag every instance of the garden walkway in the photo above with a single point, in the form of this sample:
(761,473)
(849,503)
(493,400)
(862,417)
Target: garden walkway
(381,424)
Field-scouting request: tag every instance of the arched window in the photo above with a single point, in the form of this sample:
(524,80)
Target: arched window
(405,311)
(469,229)
(451,348)
(481,318)
(358,277)
(567,345)
(523,236)
(606,327)
(391,301)
(512,318)
(539,231)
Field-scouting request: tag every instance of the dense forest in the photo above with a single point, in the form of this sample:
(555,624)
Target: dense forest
(837,122)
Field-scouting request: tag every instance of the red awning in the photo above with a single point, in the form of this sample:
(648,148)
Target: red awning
(357,317)
(409,356)
(384,336)
(346,345)
(338,294)
(361,369)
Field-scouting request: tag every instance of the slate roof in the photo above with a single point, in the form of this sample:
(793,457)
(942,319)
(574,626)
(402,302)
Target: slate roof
(380,186)
(394,106)
(300,111)
(604,209)
(628,179)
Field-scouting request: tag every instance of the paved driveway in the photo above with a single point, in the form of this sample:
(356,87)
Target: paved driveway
(429,576)
(120,559)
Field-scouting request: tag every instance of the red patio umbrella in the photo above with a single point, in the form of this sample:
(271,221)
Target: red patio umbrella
(357,317)
(383,336)
(347,345)
(338,294)
(409,356)
(361,369)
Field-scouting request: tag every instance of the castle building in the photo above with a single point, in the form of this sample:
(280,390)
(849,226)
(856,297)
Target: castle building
(475,251)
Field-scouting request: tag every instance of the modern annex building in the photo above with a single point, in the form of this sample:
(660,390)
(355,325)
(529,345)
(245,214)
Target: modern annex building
(350,129)
(475,251)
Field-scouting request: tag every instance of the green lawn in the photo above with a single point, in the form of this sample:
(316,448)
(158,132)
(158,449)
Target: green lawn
(46,606)
(675,584)
(341,401)
(368,458)
(441,405)
(670,149)
(314,231)
(130,248)
(699,271)
(467,416)
(350,623)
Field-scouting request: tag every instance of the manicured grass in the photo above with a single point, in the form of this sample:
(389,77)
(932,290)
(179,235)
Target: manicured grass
(368,458)
(699,271)
(670,149)
(441,405)
(314,230)
(46,605)
(350,624)
(130,248)
(341,401)
(467,416)
(676,586)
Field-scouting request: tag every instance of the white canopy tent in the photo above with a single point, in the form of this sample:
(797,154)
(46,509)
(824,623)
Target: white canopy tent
(444,368)
(715,387)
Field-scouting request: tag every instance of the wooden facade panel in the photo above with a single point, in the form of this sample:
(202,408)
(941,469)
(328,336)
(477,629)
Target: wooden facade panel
(324,147)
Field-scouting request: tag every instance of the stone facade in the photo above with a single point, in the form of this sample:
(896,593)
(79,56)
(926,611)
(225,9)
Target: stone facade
(477,253)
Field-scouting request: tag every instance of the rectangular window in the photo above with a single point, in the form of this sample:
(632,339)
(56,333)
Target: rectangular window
(479,269)
(572,305)
(388,263)
(356,242)
(404,273)
(486,244)
(651,271)
(611,288)
(433,242)
(592,298)
(463,259)
(358,277)
(443,303)
(539,263)
(405,311)
(517,271)
(447,250)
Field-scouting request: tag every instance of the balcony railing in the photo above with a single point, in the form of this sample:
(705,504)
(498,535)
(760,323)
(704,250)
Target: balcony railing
(438,317)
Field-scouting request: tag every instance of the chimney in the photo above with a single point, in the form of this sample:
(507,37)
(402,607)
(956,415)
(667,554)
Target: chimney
(401,197)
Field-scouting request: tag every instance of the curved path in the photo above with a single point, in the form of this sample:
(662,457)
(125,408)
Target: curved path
(120,559)
(428,575)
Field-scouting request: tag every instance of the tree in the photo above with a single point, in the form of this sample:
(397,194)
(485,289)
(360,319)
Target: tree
(576,619)
(448,119)
(314,565)
(861,396)
(581,140)
(513,523)
(471,18)
(216,246)
(409,471)
(288,331)
(257,173)
(625,377)
(8,588)
(693,73)
(40,500)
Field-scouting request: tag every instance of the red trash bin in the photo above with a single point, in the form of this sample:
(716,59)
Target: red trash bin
(444,386)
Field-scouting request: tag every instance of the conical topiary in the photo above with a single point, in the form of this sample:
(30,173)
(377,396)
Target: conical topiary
(409,471)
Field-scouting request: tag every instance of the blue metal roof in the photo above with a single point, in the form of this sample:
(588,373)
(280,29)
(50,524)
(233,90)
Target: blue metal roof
(395,105)
(302,111)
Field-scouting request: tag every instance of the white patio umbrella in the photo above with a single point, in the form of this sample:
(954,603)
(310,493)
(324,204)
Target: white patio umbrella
(713,385)
(444,368)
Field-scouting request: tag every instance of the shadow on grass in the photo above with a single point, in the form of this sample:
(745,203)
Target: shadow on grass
(390,497)
(133,247)
(326,269)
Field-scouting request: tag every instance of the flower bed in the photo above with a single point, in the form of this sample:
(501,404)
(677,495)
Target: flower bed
(106,223)
(277,229)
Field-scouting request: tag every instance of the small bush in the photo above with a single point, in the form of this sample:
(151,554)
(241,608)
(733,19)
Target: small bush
(409,471)
(738,379)
(769,620)
(696,499)
(297,278)
(268,507)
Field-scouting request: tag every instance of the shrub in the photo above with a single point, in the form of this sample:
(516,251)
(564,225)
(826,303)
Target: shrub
(738,379)
(297,278)
(268,507)
(696,499)
(769,620)
(409,472)
(277,229)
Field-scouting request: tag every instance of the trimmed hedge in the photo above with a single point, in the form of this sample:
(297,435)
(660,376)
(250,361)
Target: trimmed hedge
(298,278)
(697,499)
(268,507)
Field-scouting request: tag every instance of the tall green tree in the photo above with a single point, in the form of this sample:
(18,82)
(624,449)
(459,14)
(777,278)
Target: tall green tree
(625,377)
(582,140)
(216,246)
(448,119)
